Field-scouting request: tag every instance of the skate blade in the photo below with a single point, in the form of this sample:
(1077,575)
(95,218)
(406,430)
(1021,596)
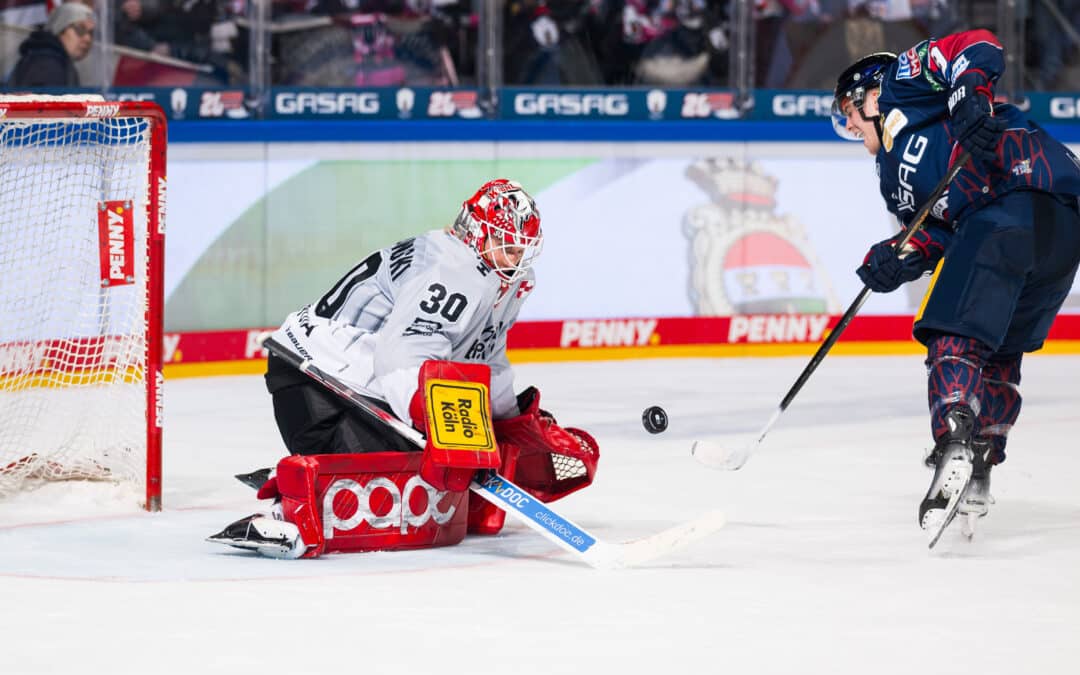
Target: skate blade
(256,479)
(935,525)
(270,548)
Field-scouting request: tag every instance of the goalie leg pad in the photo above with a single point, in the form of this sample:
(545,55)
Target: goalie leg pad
(368,502)
(484,517)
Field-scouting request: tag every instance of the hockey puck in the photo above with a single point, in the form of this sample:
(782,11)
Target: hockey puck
(654,419)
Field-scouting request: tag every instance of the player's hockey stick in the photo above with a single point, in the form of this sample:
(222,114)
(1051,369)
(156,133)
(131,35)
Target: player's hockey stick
(514,500)
(711,453)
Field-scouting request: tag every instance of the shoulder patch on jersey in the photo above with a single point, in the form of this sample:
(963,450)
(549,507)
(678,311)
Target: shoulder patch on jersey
(958,67)
(894,123)
(422,327)
(909,64)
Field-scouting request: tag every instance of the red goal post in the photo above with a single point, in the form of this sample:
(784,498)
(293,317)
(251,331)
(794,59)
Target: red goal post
(82,243)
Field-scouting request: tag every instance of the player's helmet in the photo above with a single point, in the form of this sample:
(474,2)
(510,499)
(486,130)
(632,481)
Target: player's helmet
(501,216)
(860,77)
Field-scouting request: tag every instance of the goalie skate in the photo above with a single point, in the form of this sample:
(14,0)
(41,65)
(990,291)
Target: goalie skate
(263,534)
(256,479)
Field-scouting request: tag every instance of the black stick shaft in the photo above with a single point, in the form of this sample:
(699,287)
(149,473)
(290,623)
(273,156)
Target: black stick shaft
(860,300)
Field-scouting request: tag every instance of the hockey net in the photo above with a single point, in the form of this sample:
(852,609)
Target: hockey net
(82,205)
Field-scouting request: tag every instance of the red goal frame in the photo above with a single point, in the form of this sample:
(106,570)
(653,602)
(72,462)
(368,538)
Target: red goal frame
(153,313)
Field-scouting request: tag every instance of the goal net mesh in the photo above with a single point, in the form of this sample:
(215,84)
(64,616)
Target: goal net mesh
(73,304)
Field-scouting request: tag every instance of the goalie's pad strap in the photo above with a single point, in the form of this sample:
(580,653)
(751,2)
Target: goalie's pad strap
(366,502)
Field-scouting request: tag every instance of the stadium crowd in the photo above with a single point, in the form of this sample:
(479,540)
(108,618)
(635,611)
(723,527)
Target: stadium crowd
(342,43)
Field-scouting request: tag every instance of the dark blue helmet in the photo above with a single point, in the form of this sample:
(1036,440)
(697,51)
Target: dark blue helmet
(858,78)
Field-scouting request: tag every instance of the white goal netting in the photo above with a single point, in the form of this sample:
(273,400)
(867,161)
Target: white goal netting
(74,319)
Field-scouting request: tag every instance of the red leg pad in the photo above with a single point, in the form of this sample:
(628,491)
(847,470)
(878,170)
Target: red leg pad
(368,502)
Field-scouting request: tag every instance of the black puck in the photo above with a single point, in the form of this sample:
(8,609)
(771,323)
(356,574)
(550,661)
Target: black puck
(654,419)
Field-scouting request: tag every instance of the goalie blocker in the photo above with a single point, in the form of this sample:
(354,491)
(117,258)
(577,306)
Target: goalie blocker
(406,500)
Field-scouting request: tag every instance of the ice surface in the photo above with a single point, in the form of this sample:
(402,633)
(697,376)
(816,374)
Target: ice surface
(821,569)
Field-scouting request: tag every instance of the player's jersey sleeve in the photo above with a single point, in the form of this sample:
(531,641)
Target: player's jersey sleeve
(973,50)
(915,92)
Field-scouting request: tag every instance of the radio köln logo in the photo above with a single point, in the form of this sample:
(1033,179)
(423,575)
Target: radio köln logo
(116,239)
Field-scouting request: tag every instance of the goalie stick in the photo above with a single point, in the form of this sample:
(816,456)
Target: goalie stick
(715,455)
(503,493)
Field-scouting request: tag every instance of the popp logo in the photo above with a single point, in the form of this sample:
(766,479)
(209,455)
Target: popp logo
(403,512)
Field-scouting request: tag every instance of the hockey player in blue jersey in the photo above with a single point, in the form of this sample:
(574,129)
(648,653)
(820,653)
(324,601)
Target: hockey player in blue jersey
(1004,242)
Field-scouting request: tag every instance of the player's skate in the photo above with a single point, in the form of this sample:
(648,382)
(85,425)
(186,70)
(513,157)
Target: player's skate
(951,460)
(263,534)
(977,500)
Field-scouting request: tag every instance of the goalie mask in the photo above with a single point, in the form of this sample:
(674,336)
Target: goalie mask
(862,76)
(502,224)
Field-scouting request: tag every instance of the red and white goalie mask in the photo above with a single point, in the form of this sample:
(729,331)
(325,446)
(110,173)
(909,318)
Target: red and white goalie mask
(501,222)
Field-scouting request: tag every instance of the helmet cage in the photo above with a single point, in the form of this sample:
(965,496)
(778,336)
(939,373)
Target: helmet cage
(501,222)
(865,74)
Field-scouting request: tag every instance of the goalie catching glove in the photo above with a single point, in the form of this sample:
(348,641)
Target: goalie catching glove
(550,461)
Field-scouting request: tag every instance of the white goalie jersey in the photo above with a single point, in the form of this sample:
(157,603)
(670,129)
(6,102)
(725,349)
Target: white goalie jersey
(429,297)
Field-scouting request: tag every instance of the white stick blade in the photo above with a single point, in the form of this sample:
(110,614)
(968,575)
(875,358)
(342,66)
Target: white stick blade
(717,456)
(670,540)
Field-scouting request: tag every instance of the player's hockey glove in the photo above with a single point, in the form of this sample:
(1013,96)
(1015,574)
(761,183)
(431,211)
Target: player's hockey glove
(885,269)
(971,108)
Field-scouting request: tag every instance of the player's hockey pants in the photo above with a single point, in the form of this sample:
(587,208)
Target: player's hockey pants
(1006,273)
(314,421)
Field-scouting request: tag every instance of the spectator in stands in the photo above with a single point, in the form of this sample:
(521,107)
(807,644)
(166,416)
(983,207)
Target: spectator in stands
(196,31)
(135,25)
(631,26)
(47,57)
(1055,29)
(176,28)
(551,43)
(691,51)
